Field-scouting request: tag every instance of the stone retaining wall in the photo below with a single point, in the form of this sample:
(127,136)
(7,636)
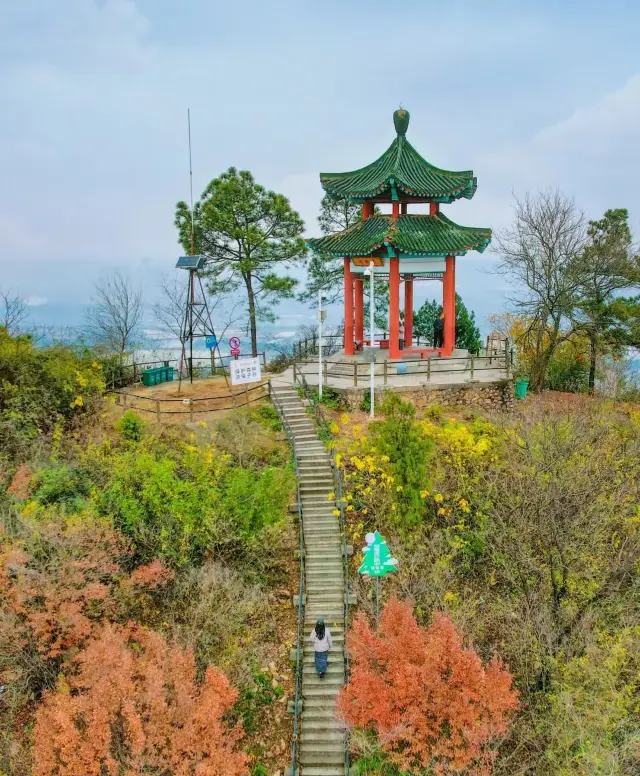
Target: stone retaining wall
(499,395)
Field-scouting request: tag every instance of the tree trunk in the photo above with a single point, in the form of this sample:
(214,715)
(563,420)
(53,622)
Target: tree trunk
(252,313)
(593,353)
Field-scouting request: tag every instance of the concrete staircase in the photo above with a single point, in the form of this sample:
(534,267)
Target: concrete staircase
(323,737)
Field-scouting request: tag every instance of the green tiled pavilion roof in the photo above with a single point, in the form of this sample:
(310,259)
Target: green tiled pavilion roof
(403,167)
(415,233)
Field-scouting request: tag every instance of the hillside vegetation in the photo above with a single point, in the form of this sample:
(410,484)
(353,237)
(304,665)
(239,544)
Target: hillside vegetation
(146,575)
(144,581)
(525,531)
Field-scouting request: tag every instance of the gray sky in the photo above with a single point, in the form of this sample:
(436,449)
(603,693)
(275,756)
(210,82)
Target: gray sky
(94,98)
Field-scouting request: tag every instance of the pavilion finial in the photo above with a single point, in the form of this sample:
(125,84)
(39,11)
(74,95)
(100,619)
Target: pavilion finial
(401,120)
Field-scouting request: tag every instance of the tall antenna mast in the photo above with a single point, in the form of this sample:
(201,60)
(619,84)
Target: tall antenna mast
(190,177)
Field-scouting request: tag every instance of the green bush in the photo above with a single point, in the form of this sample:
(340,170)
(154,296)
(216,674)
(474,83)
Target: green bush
(251,500)
(365,404)
(166,509)
(41,390)
(131,426)
(179,503)
(568,371)
(62,484)
(266,414)
(331,399)
(116,373)
(400,437)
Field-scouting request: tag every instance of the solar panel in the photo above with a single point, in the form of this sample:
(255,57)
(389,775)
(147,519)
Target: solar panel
(190,262)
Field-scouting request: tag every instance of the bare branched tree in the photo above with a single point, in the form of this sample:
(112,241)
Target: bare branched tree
(13,311)
(539,255)
(115,318)
(225,306)
(169,310)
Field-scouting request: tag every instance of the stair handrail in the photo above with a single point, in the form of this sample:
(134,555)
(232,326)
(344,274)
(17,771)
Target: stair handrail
(321,422)
(299,636)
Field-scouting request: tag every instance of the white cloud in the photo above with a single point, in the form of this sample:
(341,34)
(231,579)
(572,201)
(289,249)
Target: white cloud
(591,155)
(36,301)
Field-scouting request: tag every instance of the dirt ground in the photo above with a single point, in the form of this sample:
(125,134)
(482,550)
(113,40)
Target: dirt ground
(206,399)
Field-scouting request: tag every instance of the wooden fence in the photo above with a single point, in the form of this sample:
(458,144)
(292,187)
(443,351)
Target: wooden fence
(194,405)
(203,366)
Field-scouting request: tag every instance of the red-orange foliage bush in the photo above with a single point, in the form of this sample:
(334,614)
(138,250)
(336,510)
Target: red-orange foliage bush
(134,706)
(21,482)
(150,576)
(61,583)
(430,700)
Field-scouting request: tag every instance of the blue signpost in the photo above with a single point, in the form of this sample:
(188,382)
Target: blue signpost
(210,341)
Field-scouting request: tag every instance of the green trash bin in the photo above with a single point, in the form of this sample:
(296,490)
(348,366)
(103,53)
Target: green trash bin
(522,385)
(148,377)
(169,374)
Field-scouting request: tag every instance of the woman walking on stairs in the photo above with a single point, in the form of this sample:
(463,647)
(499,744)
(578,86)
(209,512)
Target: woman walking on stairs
(322,643)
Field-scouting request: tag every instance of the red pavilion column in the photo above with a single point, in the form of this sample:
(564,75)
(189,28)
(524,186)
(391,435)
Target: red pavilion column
(449,306)
(359,328)
(394,308)
(408,311)
(348,308)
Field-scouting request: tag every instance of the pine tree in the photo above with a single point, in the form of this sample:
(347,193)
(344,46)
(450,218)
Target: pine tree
(467,332)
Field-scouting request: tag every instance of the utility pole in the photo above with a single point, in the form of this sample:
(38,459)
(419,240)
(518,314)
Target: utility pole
(371,338)
(320,319)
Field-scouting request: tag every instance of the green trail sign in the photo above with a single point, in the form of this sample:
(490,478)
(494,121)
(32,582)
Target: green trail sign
(377,561)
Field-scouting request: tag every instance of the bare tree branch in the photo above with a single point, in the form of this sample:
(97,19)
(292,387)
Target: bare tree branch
(114,320)
(539,255)
(225,308)
(13,311)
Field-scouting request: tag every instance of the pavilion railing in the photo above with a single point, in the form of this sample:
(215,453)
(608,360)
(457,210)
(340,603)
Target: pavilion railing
(355,373)
(333,343)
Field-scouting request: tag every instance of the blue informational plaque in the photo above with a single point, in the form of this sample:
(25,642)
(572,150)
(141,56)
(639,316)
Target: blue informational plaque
(210,341)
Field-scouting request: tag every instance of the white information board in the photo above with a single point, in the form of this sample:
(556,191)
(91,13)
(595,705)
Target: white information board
(245,370)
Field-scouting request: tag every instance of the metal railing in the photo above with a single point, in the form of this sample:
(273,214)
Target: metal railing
(385,371)
(301,588)
(322,423)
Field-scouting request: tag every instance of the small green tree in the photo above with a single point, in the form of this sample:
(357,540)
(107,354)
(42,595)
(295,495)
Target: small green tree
(467,333)
(424,319)
(246,234)
(400,437)
(608,266)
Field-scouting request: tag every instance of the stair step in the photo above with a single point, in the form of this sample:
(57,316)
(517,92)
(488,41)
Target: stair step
(324,770)
(324,736)
(337,653)
(320,693)
(322,755)
(336,661)
(332,670)
(315,590)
